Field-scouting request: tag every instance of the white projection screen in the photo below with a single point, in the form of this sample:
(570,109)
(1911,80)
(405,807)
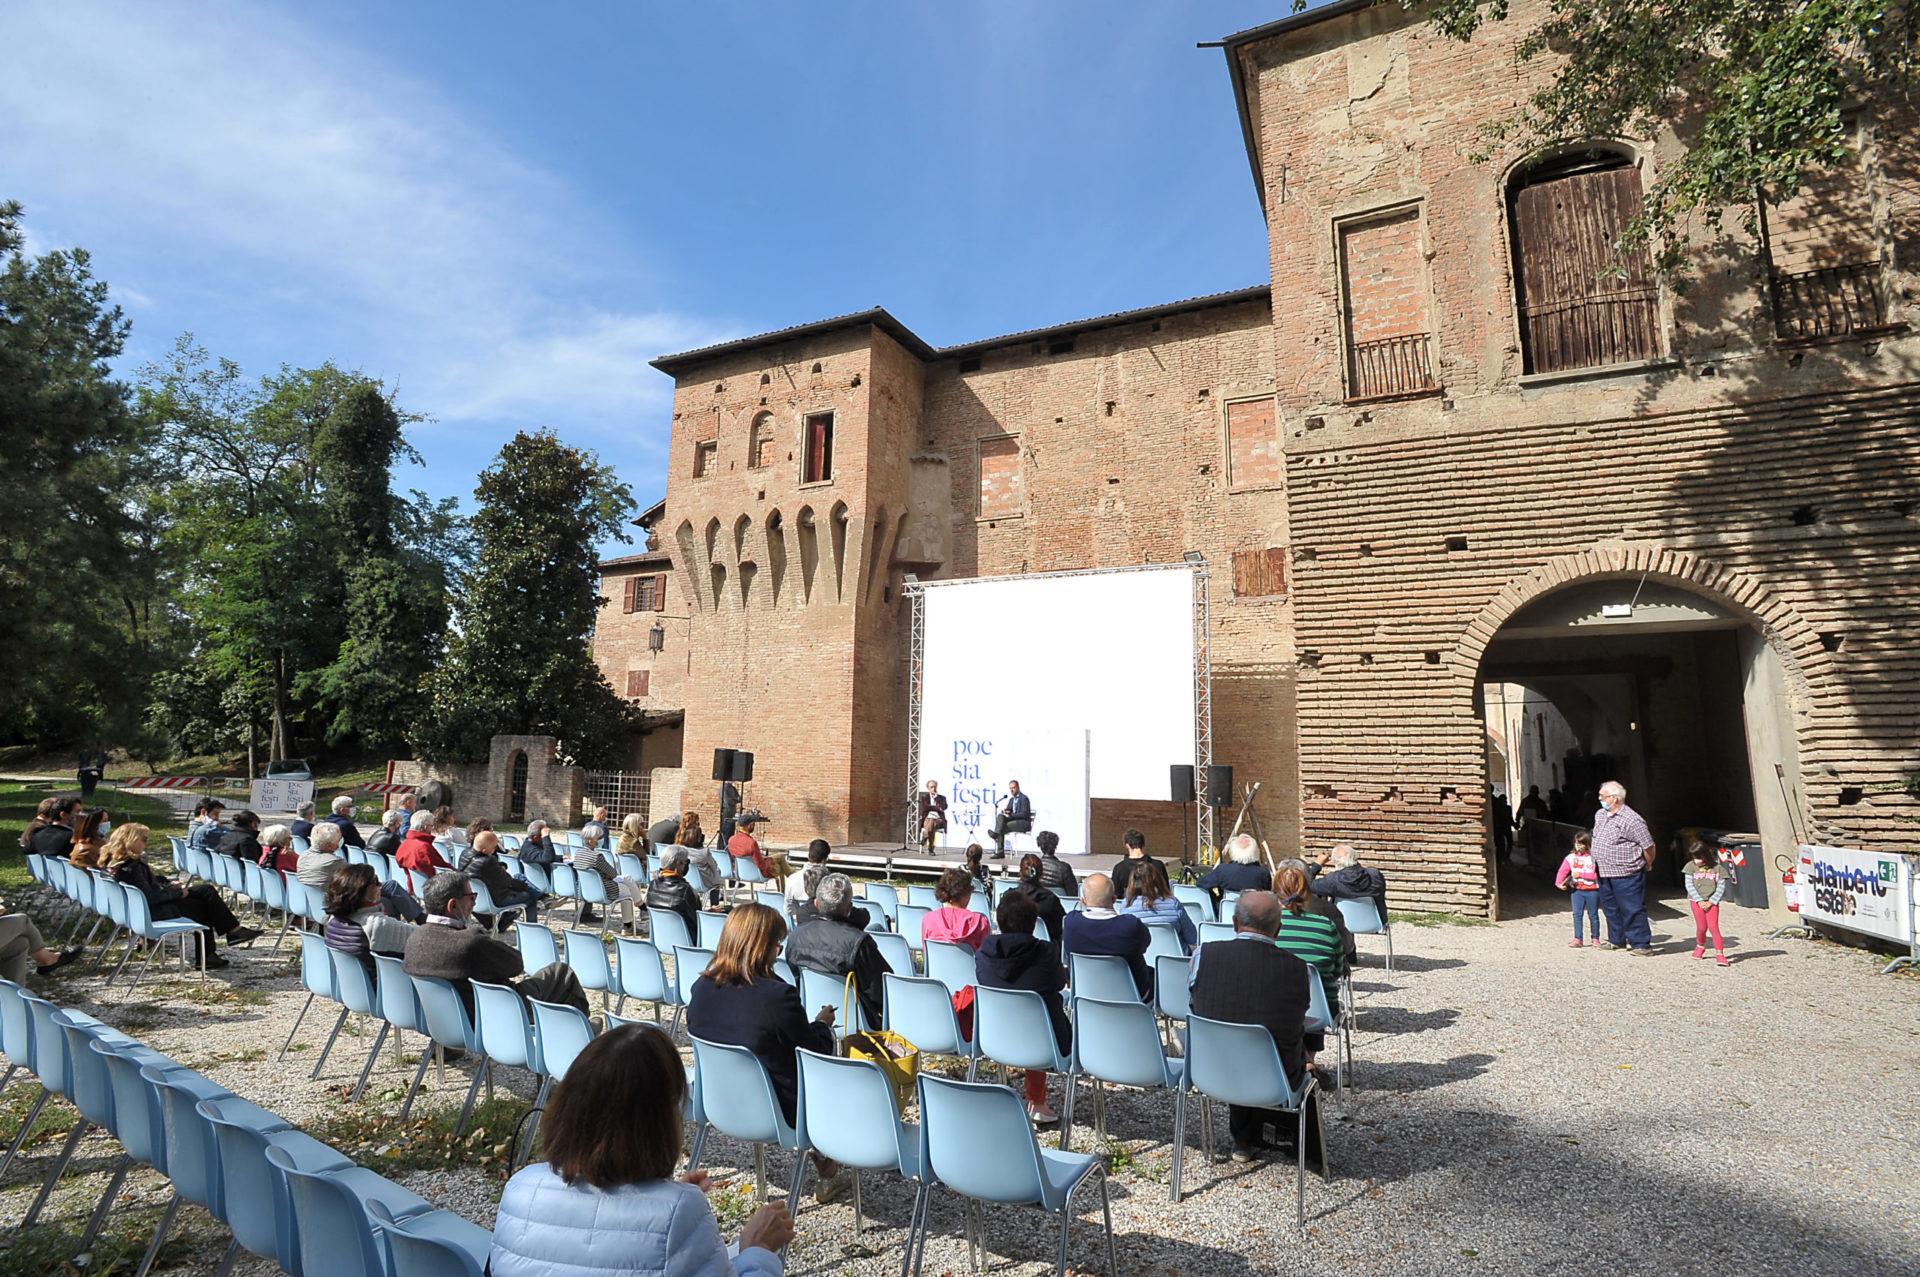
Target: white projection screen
(1025,665)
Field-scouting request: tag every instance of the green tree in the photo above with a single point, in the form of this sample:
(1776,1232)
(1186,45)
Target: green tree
(72,569)
(1756,89)
(520,662)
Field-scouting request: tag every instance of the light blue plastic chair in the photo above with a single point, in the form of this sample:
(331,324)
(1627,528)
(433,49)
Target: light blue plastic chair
(1320,1019)
(882,897)
(252,883)
(16,1029)
(921,1011)
(537,877)
(274,894)
(592,892)
(399,1006)
(140,921)
(140,1123)
(908,923)
(561,1034)
(745,871)
(772,900)
(510,843)
(1102,976)
(1363,919)
(449,1025)
(328,1210)
(737,1099)
(1012,1028)
(922,897)
(1170,975)
(483,903)
(1227,901)
(193,1151)
(1118,1043)
(846,1112)
(689,964)
(631,866)
(500,1023)
(1188,894)
(437,1243)
(566,886)
(1239,1064)
(711,925)
(951,964)
(668,931)
(248,1200)
(587,955)
(896,951)
(818,989)
(1210,932)
(357,996)
(974,1139)
(90,1090)
(538,947)
(642,974)
(1163,940)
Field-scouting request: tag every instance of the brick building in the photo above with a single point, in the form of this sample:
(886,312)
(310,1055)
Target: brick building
(1446,448)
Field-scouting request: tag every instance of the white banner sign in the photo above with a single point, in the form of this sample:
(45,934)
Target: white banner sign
(281,795)
(1857,890)
(973,769)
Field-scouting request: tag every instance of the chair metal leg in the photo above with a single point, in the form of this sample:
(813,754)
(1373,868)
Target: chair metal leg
(367,1068)
(122,964)
(1300,1165)
(99,1215)
(141,974)
(426,1055)
(759,1174)
(102,955)
(159,1235)
(856,1202)
(285,1046)
(11,1070)
(699,1146)
(33,1115)
(480,1073)
(1066,1220)
(59,1168)
(226,1260)
(1106,1217)
(799,1178)
(1179,1142)
(913,1226)
(331,1038)
(1066,1115)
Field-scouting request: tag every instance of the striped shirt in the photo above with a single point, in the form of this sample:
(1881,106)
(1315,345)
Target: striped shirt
(1315,940)
(1620,841)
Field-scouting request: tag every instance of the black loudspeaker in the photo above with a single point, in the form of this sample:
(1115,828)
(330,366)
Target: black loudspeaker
(1219,786)
(723,764)
(742,765)
(1182,776)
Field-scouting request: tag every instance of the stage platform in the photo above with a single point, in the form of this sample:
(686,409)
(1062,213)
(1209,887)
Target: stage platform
(891,860)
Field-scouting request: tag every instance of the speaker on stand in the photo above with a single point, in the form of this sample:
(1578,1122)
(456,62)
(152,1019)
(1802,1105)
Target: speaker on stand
(1180,776)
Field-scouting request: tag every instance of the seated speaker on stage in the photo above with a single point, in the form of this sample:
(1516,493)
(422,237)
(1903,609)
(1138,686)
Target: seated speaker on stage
(1014,817)
(932,806)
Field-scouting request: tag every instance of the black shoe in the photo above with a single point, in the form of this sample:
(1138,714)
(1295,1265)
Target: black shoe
(68,954)
(505,921)
(1246,1152)
(214,961)
(588,915)
(242,935)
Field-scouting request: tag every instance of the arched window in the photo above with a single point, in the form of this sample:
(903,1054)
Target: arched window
(517,787)
(759,440)
(1582,304)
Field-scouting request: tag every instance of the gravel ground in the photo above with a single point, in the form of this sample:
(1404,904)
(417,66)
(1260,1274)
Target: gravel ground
(1521,1108)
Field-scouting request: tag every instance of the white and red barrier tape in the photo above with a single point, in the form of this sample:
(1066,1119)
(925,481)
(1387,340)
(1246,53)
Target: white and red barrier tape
(162,782)
(386,787)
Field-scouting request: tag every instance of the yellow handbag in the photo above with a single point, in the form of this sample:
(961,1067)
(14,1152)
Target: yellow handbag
(898,1058)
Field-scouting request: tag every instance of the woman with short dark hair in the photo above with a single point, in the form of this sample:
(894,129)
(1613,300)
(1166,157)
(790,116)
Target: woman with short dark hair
(1033,884)
(1013,959)
(952,921)
(356,923)
(604,1201)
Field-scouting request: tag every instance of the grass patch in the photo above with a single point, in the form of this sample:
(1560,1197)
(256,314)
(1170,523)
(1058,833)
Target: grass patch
(246,1055)
(375,1138)
(48,1248)
(734,1203)
(1438,918)
(212,993)
(55,1120)
(18,802)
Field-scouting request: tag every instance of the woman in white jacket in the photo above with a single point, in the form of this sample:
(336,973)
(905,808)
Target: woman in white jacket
(605,1201)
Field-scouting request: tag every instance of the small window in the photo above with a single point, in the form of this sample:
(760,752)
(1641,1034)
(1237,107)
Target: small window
(1000,493)
(517,787)
(759,440)
(819,456)
(706,455)
(637,683)
(1259,573)
(647,593)
(1253,444)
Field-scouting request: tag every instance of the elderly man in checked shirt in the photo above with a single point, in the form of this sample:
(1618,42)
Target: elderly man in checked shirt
(1623,850)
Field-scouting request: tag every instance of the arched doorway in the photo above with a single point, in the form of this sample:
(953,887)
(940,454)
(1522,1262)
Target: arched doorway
(1669,688)
(517,787)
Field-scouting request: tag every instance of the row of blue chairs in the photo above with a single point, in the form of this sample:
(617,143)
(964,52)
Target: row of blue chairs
(284,1196)
(126,911)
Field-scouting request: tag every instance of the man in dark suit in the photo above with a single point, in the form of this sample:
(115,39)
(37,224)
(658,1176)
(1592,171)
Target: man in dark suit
(1250,980)
(1016,816)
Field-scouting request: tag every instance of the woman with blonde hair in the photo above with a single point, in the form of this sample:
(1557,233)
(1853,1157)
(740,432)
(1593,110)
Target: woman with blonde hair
(741,1002)
(633,836)
(126,857)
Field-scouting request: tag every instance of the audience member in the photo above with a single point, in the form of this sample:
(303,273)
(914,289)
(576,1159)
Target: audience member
(952,921)
(977,867)
(664,831)
(341,814)
(446,948)
(1054,872)
(54,839)
(690,835)
(323,858)
(126,852)
(1094,928)
(87,846)
(699,858)
(23,949)
(670,890)
(417,851)
(1314,940)
(832,944)
(1343,877)
(1324,906)
(276,849)
(509,893)
(302,825)
(43,816)
(537,847)
(633,836)
(1046,902)
(593,858)
(745,846)
(1258,983)
(1135,844)
(741,1002)
(242,839)
(356,923)
(1150,899)
(604,1200)
(444,825)
(931,807)
(475,827)
(1013,959)
(801,886)
(205,832)
(386,839)
(1240,871)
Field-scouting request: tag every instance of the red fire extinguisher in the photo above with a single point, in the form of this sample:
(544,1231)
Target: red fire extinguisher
(1789,882)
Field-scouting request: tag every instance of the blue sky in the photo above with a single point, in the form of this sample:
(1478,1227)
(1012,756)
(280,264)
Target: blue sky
(505,210)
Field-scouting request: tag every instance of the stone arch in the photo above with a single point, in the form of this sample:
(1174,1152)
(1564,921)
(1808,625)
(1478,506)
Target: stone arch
(837,520)
(776,535)
(683,538)
(807,535)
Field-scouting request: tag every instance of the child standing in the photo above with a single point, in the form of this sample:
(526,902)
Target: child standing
(1706,884)
(1581,876)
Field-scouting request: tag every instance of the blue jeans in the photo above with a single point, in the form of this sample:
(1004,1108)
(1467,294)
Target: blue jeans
(396,901)
(1586,904)
(1624,901)
(526,897)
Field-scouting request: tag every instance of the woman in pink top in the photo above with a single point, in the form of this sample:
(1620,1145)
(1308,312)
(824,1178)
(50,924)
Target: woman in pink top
(953,922)
(1581,876)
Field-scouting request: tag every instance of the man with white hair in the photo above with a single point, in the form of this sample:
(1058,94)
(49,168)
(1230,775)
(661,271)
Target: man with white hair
(342,816)
(386,839)
(323,857)
(1343,877)
(833,946)
(1240,871)
(1623,852)
(302,826)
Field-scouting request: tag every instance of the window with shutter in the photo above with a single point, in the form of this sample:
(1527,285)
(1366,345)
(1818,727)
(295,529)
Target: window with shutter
(1582,304)
(819,442)
(628,604)
(1258,573)
(660,592)
(637,683)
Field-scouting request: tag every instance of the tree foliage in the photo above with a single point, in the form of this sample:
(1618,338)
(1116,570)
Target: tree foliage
(1755,88)
(520,662)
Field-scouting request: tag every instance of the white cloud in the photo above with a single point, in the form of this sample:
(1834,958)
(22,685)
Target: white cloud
(246,165)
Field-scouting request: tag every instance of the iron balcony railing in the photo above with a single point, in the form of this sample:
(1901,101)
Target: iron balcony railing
(1829,301)
(1391,366)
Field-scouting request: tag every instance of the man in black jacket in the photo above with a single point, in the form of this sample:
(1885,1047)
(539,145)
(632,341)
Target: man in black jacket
(55,839)
(1343,877)
(1054,872)
(1135,844)
(670,890)
(242,840)
(832,945)
(1250,980)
